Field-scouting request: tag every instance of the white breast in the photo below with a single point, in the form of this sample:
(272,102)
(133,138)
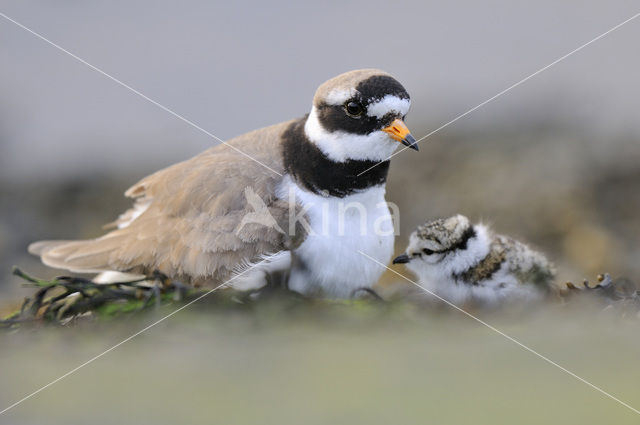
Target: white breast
(339,228)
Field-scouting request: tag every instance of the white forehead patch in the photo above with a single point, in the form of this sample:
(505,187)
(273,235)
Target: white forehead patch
(388,104)
(339,96)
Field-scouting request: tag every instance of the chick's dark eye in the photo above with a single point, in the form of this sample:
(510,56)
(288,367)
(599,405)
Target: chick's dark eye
(427,251)
(353,108)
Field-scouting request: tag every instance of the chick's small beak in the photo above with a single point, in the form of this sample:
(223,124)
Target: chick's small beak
(399,132)
(401,259)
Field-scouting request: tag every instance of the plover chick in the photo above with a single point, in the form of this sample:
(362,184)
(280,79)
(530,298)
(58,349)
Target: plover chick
(467,263)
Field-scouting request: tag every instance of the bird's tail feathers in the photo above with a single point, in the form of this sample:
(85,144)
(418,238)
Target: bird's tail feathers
(82,256)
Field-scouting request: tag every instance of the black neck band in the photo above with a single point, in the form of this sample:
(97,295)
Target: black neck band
(462,243)
(311,168)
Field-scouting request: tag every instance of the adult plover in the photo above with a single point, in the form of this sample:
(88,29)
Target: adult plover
(288,197)
(463,263)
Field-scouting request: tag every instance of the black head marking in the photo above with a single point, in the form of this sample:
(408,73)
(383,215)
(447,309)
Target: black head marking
(461,244)
(376,87)
(334,118)
(370,90)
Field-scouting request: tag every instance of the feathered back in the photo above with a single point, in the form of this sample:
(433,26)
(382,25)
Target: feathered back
(186,218)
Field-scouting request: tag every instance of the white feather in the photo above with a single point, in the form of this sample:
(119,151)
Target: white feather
(114,276)
(339,96)
(389,103)
(340,227)
(340,146)
(138,210)
(253,275)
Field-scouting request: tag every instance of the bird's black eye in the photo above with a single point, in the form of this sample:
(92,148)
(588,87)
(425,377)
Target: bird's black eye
(427,251)
(354,108)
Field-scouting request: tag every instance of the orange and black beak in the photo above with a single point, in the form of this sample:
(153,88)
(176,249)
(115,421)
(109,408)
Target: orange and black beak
(399,132)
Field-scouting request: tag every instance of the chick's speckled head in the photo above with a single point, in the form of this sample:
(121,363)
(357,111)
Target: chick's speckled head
(434,239)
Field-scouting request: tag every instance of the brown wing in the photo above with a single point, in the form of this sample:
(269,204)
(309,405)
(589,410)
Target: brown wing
(191,227)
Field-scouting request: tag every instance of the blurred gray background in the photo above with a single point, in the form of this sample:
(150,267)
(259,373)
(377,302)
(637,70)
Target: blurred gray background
(554,161)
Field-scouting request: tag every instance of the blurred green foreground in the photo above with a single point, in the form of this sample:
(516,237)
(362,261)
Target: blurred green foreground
(285,360)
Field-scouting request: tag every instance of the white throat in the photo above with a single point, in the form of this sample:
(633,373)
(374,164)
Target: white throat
(340,146)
